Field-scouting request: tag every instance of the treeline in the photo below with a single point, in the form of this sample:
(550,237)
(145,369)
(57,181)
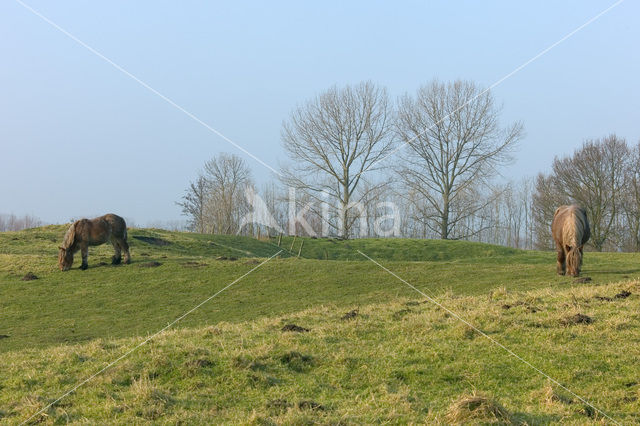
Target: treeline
(422,166)
(11,222)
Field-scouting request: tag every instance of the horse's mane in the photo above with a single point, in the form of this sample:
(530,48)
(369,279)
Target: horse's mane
(70,236)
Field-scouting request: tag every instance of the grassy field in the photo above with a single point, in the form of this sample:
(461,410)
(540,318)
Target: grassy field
(397,360)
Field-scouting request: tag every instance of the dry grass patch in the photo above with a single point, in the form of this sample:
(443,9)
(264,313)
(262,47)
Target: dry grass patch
(477,408)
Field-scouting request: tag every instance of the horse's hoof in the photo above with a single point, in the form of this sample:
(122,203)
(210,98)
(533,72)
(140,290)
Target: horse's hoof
(115,261)
(84,267)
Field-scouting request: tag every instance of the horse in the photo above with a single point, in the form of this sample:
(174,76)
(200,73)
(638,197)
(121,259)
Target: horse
(570,230)
(84,233)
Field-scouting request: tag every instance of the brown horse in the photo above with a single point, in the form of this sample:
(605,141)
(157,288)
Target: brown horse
(84,233)
(570,230)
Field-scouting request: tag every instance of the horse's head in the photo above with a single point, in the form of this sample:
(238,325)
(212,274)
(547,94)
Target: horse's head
(65,259)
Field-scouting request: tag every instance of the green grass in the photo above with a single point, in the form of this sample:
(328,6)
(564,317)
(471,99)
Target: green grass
(89,313)
(396,362)
(131,300)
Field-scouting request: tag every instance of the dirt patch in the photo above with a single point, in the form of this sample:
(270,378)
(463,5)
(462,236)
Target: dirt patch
(296,328)
(226,258)
(411,303)
(623,294)
(350,315)
(153,264)
(102,264)
(310,405)
(193,264)
(252,262)
(30,276)
(153,240)
(577,319)
(4,336)
(582,280)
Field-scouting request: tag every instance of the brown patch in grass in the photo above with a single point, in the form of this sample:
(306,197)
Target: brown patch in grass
(576,319)
(194,264)
(29,276)
(582,280)
(226,258)
(294,327)
(153,240)
(477,408)
(310,405)
(252,262)
(350,315)
(623,294)
(4,336)
(603,298)
(153,264)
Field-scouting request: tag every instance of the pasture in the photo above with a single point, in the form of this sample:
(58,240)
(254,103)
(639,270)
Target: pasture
(396,358)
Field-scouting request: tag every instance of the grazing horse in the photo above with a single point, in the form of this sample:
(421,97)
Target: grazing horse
(570,230)
(84,233)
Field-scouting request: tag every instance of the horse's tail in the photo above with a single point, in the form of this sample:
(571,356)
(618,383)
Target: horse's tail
(574,230)
(70,236)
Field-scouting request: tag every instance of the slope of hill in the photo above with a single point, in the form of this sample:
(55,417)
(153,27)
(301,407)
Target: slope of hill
(45,241)
(172,272)
(394,362)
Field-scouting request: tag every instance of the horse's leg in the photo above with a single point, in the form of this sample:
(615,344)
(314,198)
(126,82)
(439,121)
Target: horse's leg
(125,247)
(84,249)
(117,257)
(561,267)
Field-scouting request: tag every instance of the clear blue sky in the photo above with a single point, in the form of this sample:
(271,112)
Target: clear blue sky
(78,137)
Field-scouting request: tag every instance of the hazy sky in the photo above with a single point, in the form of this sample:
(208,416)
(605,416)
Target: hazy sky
(78,137)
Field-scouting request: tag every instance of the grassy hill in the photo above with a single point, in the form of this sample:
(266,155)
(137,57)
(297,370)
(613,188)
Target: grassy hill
(395,362)
(99,312)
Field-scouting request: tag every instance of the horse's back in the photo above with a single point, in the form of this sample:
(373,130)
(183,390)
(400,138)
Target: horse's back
(570,225)
(117,224)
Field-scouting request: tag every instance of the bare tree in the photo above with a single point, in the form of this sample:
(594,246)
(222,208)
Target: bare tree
(11,222)
(455,145)
(631,199)
(594,178)
(228,177)
(215,202)
(336,139)
(193,204)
